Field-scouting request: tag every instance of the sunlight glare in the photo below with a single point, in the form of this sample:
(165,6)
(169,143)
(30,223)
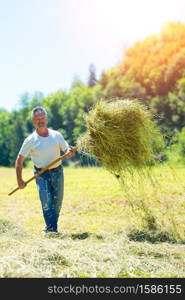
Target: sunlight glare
(124,19)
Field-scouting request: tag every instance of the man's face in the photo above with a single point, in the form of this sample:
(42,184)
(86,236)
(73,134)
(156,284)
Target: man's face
(39,120)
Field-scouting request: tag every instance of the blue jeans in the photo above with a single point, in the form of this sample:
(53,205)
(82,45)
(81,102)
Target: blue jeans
(50,185)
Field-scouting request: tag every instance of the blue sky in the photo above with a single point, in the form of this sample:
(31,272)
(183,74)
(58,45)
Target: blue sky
(45,44)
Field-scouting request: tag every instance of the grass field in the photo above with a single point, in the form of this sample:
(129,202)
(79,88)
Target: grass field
(105,229)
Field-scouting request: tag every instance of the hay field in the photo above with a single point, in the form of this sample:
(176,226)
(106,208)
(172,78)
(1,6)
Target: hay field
(105,229)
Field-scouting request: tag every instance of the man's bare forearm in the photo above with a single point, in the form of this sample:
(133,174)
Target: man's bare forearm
(18,166)
(19,171)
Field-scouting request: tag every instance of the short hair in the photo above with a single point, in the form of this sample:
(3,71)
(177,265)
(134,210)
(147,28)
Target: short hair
(38,109)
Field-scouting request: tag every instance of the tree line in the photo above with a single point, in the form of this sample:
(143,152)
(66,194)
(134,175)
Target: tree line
(152,71)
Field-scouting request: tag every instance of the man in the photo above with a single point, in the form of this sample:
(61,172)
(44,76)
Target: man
(44,146)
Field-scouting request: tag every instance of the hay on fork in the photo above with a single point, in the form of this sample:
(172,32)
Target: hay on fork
(120,135)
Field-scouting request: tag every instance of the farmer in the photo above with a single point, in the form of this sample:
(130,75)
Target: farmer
(44,146)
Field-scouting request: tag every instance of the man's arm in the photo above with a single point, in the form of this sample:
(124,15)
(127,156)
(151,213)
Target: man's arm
(65,147)
(19,165)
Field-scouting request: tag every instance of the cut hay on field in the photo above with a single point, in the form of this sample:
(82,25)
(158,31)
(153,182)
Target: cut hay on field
(120,135)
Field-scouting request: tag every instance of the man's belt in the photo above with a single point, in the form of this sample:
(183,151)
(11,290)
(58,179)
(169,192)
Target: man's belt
(53,169)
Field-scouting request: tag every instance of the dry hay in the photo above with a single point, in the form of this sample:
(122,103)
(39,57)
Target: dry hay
(120,135)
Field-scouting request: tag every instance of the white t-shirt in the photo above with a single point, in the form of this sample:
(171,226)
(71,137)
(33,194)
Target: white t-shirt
(44,150)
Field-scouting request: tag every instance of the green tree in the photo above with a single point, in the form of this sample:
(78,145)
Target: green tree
(181,143)
(55,104)
(81,99)
(17,136)
(5,134)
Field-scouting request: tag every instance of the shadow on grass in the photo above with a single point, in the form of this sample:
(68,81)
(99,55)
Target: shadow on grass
(152,237)
(80,236)
(74,236)
(85,235)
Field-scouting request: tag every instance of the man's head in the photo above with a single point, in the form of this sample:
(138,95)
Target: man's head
(39,117)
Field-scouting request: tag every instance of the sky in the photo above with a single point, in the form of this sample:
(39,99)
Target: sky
(46,44)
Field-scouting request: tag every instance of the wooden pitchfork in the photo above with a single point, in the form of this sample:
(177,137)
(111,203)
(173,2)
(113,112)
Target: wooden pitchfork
(43,170)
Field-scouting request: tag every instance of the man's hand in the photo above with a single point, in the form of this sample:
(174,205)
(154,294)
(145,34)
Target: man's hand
(70,153)
(21,184)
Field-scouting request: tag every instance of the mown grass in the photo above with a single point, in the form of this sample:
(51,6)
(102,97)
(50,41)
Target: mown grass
(106,229)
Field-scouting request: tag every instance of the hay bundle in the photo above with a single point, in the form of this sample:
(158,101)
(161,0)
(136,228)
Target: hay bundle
(119,135)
